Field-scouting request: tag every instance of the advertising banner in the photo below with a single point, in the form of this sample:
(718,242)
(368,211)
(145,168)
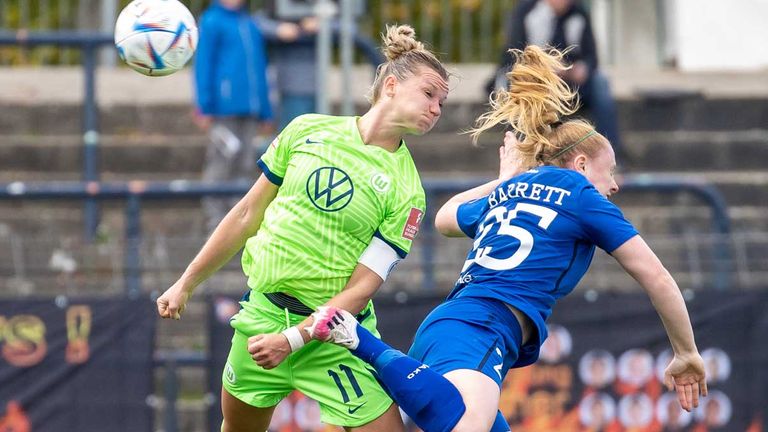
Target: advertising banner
(600,370)
(76,364)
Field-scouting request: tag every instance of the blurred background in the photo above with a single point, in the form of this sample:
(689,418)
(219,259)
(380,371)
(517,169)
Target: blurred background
(100,210)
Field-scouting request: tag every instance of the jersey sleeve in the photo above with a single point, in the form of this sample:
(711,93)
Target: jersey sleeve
(274,162)
(469,215)
(603,221)
(401,223)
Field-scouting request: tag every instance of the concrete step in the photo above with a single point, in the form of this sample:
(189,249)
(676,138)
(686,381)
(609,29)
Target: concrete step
(673,112)
(697,151)
(644,112)
(123,156)
(167,157)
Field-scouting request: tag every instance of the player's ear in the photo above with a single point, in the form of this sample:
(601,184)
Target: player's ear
(580,163)
(390,83)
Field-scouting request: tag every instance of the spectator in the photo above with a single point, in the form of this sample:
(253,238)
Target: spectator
(232,96)
(294,62)
(561,24)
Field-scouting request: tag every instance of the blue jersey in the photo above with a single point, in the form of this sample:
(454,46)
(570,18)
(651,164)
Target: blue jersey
(535,236)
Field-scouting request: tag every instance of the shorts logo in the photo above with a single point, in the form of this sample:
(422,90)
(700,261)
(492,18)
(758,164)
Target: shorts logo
(412,224)
(381,182)
(330,189)
(229,374)
(354,410)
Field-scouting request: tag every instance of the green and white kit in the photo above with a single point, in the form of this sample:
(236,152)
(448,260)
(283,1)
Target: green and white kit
(336,194)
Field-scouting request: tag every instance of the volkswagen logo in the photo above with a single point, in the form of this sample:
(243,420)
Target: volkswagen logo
(330,189)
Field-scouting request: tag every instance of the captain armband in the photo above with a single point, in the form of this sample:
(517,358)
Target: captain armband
(380,257)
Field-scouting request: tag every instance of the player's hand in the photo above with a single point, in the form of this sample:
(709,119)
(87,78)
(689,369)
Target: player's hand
(288,31)
(579,73)
(173,302)
(310,24)
(268,350)
(509,158)
(686,376)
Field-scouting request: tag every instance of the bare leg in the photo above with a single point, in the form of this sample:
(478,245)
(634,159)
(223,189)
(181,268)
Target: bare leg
(481,397)
(390,421)
(241,417)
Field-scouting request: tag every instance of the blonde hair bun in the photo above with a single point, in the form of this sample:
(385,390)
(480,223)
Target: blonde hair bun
(399,40)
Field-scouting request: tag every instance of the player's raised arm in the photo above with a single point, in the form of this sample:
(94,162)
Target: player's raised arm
(510,165)
(686,373)
(241,223)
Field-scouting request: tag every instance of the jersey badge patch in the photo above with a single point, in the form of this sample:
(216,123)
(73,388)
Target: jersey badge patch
(381,182)
(412,224)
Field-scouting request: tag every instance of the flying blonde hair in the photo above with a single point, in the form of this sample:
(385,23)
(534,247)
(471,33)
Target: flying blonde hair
(533,106)
(404,56)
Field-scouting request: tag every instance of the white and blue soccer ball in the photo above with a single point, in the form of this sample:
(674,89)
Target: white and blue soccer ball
(155,37)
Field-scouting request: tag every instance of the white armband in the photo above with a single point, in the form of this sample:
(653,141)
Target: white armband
(380,257)
(295,340)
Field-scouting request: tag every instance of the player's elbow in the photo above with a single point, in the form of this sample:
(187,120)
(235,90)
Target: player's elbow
(446,224)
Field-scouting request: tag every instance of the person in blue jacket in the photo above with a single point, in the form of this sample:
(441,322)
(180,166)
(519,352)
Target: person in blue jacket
(535,231)
(232,96)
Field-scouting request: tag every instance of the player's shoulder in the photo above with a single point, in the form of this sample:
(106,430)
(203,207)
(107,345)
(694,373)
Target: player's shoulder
(407,171)
(317,119)
(315,126)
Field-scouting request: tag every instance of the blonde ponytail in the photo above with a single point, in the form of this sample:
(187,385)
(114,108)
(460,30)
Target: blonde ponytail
(533,105)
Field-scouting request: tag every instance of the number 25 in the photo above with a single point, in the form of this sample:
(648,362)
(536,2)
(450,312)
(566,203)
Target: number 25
(501,216)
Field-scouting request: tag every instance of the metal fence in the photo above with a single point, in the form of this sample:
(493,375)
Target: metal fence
(459,30)
(462,31)
(148,254)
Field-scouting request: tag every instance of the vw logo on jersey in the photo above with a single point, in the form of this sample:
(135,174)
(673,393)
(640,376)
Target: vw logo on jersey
(330,189)
(381,182)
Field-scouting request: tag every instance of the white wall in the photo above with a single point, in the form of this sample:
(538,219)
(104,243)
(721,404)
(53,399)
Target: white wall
(626,32)
(698,35)
(721,34)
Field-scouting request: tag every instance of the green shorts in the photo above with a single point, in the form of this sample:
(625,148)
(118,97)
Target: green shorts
(342,384)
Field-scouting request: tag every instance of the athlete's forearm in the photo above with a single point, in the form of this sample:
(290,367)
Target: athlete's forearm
(225,241)
(669,303)
(642,264)
(445,219)
(360,289)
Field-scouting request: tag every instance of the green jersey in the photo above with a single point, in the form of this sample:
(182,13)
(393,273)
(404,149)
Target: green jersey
(336,193)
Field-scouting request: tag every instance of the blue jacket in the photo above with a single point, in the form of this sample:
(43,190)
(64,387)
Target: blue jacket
(231,65)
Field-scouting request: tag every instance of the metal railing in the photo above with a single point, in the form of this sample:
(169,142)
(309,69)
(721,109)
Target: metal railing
(134,193)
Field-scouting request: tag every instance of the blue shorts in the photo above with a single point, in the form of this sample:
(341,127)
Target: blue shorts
(481,334)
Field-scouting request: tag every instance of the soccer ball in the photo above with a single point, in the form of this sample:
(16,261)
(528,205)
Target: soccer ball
(155,37)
